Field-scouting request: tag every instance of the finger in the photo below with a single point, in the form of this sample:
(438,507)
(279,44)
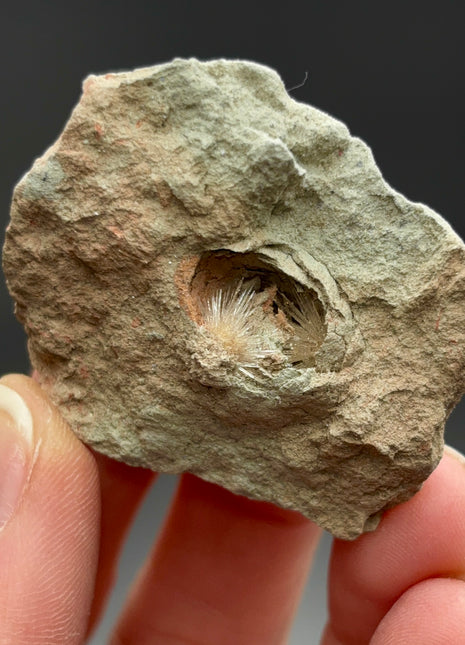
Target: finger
(431,612)
(49,535)
(122,490)
(226,570)
(423,538)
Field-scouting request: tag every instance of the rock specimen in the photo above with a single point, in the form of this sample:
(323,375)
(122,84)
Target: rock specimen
(215,278)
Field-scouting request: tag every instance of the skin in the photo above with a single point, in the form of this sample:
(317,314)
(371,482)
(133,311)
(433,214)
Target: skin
(225,569)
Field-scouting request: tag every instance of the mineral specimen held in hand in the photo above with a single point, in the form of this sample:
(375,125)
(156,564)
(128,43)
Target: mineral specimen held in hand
(215,278)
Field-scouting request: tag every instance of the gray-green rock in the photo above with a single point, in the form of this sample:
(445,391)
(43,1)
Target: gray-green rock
(215,278)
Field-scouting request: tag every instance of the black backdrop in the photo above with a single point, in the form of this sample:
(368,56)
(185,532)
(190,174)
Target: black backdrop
(392,71)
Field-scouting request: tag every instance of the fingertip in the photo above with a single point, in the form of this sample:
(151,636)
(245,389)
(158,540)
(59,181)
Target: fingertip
(49,426)
(62,468)
(451,453)
(431,611)
(49,547)
(420,539)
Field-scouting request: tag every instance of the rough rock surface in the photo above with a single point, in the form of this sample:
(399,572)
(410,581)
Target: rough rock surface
(215,278)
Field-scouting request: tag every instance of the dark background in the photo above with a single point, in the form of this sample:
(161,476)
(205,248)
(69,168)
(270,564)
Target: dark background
(392,71)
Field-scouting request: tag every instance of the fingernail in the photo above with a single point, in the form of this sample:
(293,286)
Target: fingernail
(16,443)
(455,454)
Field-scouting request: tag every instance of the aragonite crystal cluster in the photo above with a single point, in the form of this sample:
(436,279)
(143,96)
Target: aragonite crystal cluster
(215,278)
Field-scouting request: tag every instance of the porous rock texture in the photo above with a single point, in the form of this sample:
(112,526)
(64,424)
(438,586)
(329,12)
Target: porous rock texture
(215,278)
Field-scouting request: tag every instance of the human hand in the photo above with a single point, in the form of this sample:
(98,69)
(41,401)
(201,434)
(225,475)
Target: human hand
(225,571)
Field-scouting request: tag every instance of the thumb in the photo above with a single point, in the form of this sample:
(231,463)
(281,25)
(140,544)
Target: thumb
(49,521)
